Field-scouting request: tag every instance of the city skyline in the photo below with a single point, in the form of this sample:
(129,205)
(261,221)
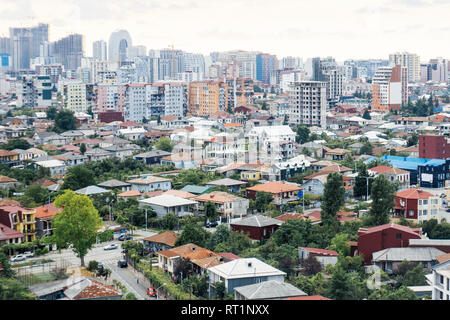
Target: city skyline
(345,30)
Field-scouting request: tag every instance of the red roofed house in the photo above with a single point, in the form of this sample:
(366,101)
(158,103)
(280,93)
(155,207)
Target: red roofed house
(8,235)
(392,174)
(386,236)
(417,204)
(44,215)
(281,192)
(325,257)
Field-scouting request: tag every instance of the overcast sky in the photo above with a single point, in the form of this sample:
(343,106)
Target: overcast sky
(343,29)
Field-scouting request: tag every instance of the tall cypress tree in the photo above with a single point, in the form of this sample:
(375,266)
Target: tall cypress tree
(333,200)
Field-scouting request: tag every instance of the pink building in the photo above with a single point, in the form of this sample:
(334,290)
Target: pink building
(110,97)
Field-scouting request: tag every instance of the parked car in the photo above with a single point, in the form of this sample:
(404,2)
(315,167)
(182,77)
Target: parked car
(212,224)
(124,237)
(18,257)
(151,292)
(122,263)
(28,254)
(111,247)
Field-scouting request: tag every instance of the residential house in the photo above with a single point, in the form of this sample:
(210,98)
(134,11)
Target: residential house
(390,259)
(165,203)
(71,159)
(393,174)
(242,272)
(440,244)
(181,194)
(268,290)
(98,154)
(282,192)
(44,215)
(115,184)
(20,219)
(72,135)
(9,157)
(152,157)
(122,151)
(7,183)
(24,155)
(150,183)
(36,152)
(325,257)
(227,205)
(49,138)
(257,227)
(418,204)
(129,194)
(75,288)
(56,167)
(334,154)
(385,236)
(161,241)
(232,185)
(441,281)
(197,190)
(9,235)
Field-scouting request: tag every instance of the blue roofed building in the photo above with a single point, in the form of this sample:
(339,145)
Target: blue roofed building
(426,173)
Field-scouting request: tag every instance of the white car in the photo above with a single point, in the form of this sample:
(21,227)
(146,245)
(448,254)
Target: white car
(111,247)
(28,254)
(19,257)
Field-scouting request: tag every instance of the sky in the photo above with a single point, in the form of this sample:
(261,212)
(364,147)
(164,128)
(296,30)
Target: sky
(344,29)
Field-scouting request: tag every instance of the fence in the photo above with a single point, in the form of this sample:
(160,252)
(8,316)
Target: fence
(42,271)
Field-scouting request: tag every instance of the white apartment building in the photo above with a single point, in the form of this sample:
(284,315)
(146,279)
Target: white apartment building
(441,281)
(99,50)
(288,77)
(308,103)
(175,99)
(409,60)
(135,108)
(75,96)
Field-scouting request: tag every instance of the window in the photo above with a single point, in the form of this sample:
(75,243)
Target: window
(398,236)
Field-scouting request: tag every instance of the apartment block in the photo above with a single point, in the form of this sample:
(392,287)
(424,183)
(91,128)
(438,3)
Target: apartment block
(207,97)
(408,60)
(389,88)
(308,103)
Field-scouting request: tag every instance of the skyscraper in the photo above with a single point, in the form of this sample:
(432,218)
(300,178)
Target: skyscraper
(266,64)
(26,44)
(119,46)
(39,35)
(99,50)
(409,60)
(69,51)
(308,103)
(389,88)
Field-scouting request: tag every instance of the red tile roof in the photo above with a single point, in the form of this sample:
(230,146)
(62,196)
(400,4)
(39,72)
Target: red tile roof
(275,187)
(167,238)
(97,290)
(415,231)
(413,193)
(7,233)
(322,252)
(229,255)
(308,298)
(388,170)
(47,211)
(290,216)
(4,179)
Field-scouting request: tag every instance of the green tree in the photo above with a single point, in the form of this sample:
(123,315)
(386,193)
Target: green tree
(222,234)
(263,199)
(293,232)
(340,288)
(221,290)
(302,134)
(164,144)
(361,189)
(366,148)
(192,233)
(37,193)
(366,115)
(65,120)
(12,289)
(237,243)
(333,200)
(339,244)
(383,195)
(76,224)
(414,277)
(6,270)
(210,211)
(130,296)
(82,148)
(78,177)
(16,144)
(385,293)
(51,113)
(169,221)
(413,140)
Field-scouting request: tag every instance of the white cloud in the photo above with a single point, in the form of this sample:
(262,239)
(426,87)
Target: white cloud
(343,29)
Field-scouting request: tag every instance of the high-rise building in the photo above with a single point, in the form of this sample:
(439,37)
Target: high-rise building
(34,91)
(291,63)
(99,50)
(308,103)
(109,98)
(409,60)
(166,64)
(439,70)
(75,97)
(434,147)
(389,88)
(26,44)
(39,35)
(240,92)
(118,46)
(207,97)
(69,51)
(266,64)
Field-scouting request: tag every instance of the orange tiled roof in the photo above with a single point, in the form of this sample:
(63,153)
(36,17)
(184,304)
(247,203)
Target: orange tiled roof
(97,290)
(388,170)
(4,179)
(274,187)
(413,193)
(168,238)
(129,193)
(216,197)
(232,125)
(47,211)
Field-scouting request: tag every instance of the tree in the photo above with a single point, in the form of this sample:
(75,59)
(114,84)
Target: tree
(412,140)
(82,148)
(78,177)
(16,144)
(302,135)
(130,296)
(210,211)
(65,120)
(192,233)
(339,244)
(366,148)
(263,199)
(76,224)
(221,290)
(333,200)
(311,266)
(383,195)
(236,243)
(435,230)
(339,284)
(37,193)
(6,270)
(164,144)
(366,115)
(182,269)
(293,232)
(12,289)
(414,277)
(361,189)
(384,293)
(221,235)
(169,221)
(51,113)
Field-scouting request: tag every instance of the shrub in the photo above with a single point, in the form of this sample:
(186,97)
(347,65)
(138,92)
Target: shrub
(92,266)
